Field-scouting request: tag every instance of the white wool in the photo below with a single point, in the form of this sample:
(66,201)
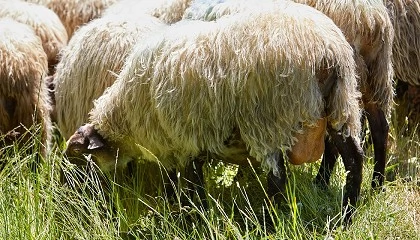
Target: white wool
(405,16)
(23,66)
(369,30)
(91,61)
(76,13)
(183,91)
(44,22)
(169,11)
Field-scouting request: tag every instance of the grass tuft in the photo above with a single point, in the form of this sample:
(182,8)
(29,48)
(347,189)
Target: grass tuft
(56,200)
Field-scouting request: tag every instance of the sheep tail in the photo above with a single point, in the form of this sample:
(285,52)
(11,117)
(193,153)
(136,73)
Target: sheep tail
(343,101)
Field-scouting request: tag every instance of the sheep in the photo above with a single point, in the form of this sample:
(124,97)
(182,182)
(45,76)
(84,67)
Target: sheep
(261,76)
(169,11)
(369,30)
(23,95)
(75,13)
(405,16)
(94,55)
(370,33)
(45,22)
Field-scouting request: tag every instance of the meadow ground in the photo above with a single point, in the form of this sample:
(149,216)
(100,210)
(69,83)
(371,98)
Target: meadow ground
(131,204)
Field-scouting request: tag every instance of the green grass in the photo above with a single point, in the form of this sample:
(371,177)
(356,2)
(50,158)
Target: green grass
(35,204)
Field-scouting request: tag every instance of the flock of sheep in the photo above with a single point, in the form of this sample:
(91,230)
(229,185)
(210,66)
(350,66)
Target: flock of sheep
(173,80)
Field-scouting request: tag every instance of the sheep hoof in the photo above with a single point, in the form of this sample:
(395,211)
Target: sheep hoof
(275,189)
(348,212)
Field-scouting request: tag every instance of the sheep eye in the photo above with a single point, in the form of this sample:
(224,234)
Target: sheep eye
(77,150)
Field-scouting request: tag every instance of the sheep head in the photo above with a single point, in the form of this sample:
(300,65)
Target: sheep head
(87,141)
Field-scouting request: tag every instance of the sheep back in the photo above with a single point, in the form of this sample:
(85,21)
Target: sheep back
(75,13)
(169,11)
(45,23)
(210,10)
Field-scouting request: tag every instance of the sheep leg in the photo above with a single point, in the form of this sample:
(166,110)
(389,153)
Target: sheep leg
(329,159)
(276,182)
(379,130)
(171,183)
(352,155)
(330,155)
(195,180)
(247,170)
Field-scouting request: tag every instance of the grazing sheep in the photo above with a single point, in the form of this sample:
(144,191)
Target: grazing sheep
(369,30)
(94,55)
(261,76)
(405,16)
(23,94)
(75,13)
(169,11)
(45,23)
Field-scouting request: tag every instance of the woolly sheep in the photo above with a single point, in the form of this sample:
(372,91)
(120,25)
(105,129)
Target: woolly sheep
(369,30)
(169,11)
(45,22)
(23,94)
(94,55)
(185,91)
(75,13)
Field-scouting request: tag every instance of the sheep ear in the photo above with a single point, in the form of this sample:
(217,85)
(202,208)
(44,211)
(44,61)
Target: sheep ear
(95,142)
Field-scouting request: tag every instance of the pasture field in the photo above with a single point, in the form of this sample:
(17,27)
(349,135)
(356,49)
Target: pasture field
(128,204)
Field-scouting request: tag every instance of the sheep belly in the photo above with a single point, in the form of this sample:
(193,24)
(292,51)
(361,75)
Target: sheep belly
(310,144)
(308,148)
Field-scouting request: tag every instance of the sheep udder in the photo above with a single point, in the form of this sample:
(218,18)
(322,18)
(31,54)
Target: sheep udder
(309,145)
